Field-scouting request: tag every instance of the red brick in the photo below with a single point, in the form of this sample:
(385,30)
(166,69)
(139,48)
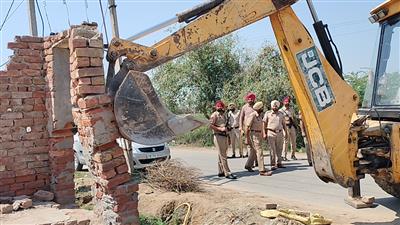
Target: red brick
(15,187)
(23,122)
(29,101)
(125,206)
(42,157)
(4,188)
(31,72)
(19,165)
(23,108)
(35,66)
(85,80)
(39,107)
(33,115)
(34,184)
(117,180)
(5,95)
(11,115)
(97,80)
(30,39)
(108,174)
(21,94)
(78,43)
(26,178)
(29,52)
(87,72)
(40,149)
(33,59)
(14,45)
(87,89)
(6,123)
(16,66)
(7,174)
(96,62)
(89,52)
(38,46)
(122,169)
(16,101)
(21,80)
(25,172)
(88,102)
(25,192)
(38,164)
(6,181)
(39,94)
(112,164)
(96,43)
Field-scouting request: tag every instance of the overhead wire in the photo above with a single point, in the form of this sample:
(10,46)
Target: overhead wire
(66,6)
(47,16)
(104,21)
(8,12)
(41,17)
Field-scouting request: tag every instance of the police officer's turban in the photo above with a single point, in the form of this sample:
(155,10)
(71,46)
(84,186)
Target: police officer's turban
(275,103)
(258,106)
(219,104)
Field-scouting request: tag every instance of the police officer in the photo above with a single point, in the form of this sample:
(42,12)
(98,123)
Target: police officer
(218,125)
(234,133)
(254,135)
(304,135)
(274,127)
(246,110)
(290,123)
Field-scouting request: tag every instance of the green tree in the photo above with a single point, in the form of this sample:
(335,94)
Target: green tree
(358,80)
(265,75)
(196,80)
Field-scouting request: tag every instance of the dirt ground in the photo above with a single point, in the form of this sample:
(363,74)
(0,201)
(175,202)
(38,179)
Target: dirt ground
(210,207)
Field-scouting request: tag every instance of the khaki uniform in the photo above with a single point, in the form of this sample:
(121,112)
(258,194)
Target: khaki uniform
(243,119)
(254,126)
(290,135)
(221,142)
(304,135)
(234,134)
(275,125)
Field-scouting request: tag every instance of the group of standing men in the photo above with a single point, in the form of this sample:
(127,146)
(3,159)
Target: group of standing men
(277,127)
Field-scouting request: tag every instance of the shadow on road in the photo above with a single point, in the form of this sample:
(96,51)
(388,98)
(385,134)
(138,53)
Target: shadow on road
(391,203)
(291,166)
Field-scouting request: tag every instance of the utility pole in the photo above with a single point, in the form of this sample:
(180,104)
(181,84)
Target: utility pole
(114,21)
(32,18)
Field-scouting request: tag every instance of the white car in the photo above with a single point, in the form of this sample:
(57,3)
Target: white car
(143,155)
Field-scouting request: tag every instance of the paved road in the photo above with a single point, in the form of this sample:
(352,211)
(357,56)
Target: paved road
(298,185)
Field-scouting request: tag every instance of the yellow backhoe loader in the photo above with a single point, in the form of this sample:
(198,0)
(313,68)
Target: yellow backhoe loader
(346,142)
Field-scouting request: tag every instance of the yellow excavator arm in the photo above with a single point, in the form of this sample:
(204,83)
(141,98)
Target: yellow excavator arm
(327,102)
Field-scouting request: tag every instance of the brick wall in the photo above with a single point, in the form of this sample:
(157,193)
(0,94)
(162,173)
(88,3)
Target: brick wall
(115,194)
(49,84)
(24,141)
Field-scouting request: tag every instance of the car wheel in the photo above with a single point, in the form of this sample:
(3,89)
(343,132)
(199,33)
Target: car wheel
(78,165)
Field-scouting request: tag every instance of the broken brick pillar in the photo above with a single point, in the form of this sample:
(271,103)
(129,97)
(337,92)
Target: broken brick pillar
(114,191)
(23,137)
(60,121)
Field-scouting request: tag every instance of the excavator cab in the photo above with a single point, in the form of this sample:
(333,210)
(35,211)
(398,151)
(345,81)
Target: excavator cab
(382,96)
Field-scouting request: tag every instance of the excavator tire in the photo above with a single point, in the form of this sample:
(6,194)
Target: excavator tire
(390,188)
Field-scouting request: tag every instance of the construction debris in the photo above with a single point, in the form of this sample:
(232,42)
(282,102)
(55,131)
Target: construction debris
(6,208)
(43,195)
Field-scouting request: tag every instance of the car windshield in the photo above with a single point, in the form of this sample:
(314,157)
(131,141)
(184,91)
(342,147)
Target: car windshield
(388,72)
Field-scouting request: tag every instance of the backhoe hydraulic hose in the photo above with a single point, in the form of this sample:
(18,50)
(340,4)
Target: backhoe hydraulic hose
(197,11)
(325,41)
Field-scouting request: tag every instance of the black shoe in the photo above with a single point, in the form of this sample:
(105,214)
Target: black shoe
(281,166)
(294,157)
(310,163)
(245,156)
(221,175)
(284,159)
(231,177)
(233,156)
(249,169)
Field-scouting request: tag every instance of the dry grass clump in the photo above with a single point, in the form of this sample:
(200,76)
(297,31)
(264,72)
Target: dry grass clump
(172,175)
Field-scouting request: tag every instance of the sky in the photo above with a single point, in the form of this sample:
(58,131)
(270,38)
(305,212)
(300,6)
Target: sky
(354,35)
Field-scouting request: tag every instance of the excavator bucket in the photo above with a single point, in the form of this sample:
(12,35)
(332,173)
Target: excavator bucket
(143,118)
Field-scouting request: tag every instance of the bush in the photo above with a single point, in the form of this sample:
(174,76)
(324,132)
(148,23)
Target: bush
(200,137)
(149,220)
(173,176)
